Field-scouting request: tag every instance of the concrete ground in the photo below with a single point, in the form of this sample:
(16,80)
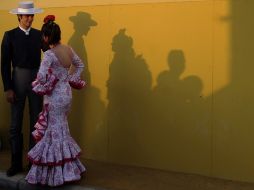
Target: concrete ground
(105,176)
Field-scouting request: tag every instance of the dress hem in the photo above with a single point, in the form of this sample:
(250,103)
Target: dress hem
(59,163)
(65,182)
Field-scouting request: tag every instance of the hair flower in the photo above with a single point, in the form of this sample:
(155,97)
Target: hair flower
(49,18)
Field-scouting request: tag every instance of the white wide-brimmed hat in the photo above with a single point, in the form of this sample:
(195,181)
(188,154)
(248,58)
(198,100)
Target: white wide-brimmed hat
(26,7)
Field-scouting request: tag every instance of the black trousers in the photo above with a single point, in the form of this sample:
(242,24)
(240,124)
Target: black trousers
(22,79)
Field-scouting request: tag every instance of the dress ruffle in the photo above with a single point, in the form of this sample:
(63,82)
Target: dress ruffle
(45,88)
(55,153)
(55,163)
(76,82)
(41,125)
(57,175)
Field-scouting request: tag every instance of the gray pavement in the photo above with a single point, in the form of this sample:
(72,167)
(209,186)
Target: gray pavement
(108,176)
(18,182)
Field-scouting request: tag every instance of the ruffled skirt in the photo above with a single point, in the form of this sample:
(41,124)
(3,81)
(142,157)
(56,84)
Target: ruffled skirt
(55,156)
(54,164)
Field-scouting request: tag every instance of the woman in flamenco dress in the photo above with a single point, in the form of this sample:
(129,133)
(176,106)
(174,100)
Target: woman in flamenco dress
(54,158)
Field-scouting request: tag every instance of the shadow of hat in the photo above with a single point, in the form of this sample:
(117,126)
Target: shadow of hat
(83,17)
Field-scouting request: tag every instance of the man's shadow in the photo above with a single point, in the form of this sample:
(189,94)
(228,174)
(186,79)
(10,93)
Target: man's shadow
(87,114)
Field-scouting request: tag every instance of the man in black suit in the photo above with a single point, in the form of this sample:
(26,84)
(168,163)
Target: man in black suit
(20,61)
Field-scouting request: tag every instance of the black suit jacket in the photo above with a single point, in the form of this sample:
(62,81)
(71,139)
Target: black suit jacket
(19,50)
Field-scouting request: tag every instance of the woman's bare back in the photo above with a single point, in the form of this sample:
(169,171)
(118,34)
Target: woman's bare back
(64,55)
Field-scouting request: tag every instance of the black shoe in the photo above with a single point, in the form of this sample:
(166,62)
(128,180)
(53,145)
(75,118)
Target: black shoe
(13,171)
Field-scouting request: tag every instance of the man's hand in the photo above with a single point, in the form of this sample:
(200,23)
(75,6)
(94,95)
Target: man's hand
(10,96)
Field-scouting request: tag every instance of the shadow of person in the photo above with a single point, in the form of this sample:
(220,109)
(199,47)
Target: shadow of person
(167,97)
(86,117)
(195,126)
(129,86)
(178,109)
(168,91)
(192,97)
(82,24)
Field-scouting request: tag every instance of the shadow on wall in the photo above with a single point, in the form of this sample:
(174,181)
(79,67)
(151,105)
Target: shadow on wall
(165,124)
(234,104)
(5,116)
(129,89)
(178,120)
(5,113)
(88,110)
(168,126)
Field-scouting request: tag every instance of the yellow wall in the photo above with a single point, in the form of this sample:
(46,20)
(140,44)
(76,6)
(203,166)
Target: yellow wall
(6,4)
(188,112)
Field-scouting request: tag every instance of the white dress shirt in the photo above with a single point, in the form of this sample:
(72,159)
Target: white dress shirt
(26,31)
